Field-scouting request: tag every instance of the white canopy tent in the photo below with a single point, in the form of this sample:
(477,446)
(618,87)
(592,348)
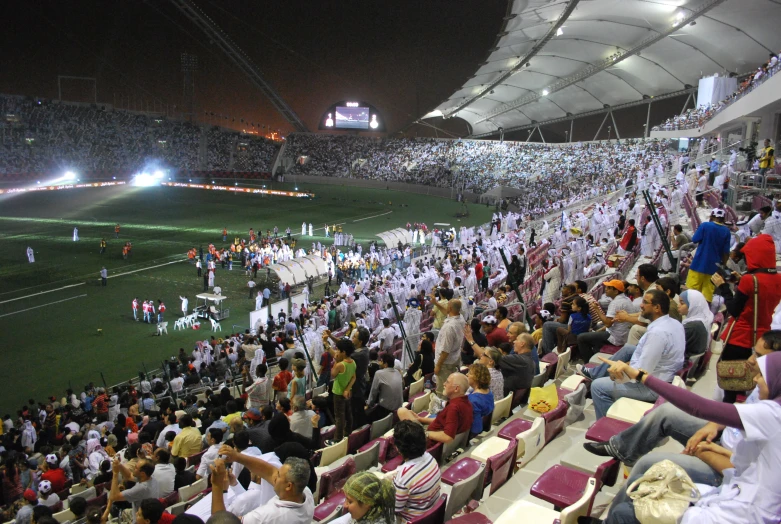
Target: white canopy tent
(394,236)
(556,59)
(298,270)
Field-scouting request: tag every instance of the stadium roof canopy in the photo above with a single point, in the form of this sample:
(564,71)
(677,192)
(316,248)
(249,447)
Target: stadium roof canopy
(556,58)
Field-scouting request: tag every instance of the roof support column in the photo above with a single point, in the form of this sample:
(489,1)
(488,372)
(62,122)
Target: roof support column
(685,104)
(571,125)
(613,118)
(648,120)
(540,132)
(601,125)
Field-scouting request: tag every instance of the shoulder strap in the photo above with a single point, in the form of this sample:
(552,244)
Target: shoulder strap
(756,300)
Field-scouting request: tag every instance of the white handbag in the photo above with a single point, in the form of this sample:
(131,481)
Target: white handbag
(662,494)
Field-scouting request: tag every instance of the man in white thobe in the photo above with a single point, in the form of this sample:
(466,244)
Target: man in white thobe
(30,255)
(75,234)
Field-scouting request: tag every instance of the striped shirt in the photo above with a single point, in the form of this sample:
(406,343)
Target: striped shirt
(417,486)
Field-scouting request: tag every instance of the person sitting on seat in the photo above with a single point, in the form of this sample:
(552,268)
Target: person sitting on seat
(455,419)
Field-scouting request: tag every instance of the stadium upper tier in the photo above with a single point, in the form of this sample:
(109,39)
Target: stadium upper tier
(555,59)
(43,136)
(548,174)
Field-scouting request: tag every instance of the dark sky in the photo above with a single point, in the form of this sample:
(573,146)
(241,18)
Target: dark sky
(404,57)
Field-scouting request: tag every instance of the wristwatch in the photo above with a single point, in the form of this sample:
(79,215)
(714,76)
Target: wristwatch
(640,375)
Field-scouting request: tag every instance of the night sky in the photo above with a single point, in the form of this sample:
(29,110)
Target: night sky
(404,57)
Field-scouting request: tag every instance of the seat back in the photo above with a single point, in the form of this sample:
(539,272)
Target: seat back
(88,494)
(460,441)
(502,409)
(519,395)
(530,442)
(188,492)
(195,460)
(171,499)
(368,458)
(421,403)
(64,516)
(561,367)
(416,387)
(570,514)
(435,515)
(333,480)
(319,390)
(380,427)
(499,468)
(554,420)
(98,501)
(178,508)
(78,488)
(436,452)
(487,421)
(539,380)
(358,438)
(333,453)
(464,491)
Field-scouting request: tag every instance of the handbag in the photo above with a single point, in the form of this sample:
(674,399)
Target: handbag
(662,494)
(734,375)
(544,399)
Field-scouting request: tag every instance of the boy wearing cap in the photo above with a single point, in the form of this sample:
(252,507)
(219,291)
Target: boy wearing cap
(47,498)
(25,513)
(615,332)
(713,239)
(493,334)
(53,473)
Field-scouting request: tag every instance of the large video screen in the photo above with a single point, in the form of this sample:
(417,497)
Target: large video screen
(352,117)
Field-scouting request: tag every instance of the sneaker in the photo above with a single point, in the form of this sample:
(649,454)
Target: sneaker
(581,370)
(601,449)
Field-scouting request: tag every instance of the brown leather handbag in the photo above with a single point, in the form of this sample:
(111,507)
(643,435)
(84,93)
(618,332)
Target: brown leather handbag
(735,375)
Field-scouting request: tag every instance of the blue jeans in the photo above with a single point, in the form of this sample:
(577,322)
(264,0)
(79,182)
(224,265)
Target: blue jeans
(622,355)
(604,391)
(665,421)
(622,510)
(549,336)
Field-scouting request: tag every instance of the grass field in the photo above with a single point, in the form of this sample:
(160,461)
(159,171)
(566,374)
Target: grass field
(50,311)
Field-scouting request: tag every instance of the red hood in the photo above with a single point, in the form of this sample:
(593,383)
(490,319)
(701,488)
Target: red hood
(760,252)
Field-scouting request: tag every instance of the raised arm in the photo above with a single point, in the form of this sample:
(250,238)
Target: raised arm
(256,466)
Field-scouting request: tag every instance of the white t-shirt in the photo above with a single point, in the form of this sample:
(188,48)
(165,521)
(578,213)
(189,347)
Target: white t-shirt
(749,492)
(283,512)
(165,474)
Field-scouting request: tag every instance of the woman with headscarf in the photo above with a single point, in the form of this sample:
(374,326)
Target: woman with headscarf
(368,500)
(697,321)
(749,489)
(95,455)
(29,437)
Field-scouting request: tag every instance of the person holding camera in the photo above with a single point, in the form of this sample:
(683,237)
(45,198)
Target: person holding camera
(751,305)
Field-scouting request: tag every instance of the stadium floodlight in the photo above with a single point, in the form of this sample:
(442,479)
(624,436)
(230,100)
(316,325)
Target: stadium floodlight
(296,189)
(69,175)
(144,180)
(559,32)
(159,174)
(545,92)
(374,124)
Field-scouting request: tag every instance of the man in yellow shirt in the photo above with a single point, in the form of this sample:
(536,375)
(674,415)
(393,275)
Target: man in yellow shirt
(768,158)
(188,442)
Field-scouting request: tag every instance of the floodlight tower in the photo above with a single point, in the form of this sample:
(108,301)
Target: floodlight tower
(189,68)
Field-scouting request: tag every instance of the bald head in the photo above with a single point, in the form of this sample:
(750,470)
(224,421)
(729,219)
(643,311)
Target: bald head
(454,307)
(456,385)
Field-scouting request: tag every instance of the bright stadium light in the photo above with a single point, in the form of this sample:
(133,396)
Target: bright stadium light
(559,32)
(159,174)
(144,180)
(374,124)
(545,92)
(69,175)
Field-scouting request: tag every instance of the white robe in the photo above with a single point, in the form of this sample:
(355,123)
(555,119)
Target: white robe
(75,234)
(30,255)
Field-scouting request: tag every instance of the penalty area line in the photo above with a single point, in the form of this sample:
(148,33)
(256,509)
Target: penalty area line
(374,216)
(42,305)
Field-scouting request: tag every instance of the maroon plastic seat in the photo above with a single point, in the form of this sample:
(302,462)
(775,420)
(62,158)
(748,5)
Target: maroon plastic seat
(331,483)
(498,468)
(563,486)
(519,395)
(513,428)
(383,448)
(470,518)
(195,460)
(435,515)
(610,349)
(436,452)
(554,420)
(552,360)
(684,371)
(326,434)
(171,499)
(606,427)
(358,438)
(98,501)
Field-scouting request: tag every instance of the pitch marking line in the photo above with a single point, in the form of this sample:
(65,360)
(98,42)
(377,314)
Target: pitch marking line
(82,283)
(375,216)
(42,305)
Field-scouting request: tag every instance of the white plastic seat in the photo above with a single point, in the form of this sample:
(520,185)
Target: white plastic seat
(464,491)
(526,511)
(63,516)
(489,447)
(572,382)
(215,325)
(162,327)
(331,454)
(188,492)
(628,410)
(417,386)
(561,366)
(180,323)
(421,403)
(502,409)
(380,427)
(530,442)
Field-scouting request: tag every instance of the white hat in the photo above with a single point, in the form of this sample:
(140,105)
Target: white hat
(718,213)
(45,486)
(52,459)
(489,319)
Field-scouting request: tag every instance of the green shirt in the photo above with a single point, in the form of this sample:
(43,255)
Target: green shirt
(343,379)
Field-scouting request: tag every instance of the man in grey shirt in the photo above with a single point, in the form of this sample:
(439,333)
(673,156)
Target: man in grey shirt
(448,345)
(146,487)
(616,333)
(386,395)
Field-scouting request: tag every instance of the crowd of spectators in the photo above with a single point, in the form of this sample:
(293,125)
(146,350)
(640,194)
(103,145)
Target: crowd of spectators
(42,136)
(550,175)
(696,117)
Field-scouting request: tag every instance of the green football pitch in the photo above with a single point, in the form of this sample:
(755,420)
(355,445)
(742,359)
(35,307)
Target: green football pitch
(62,328)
